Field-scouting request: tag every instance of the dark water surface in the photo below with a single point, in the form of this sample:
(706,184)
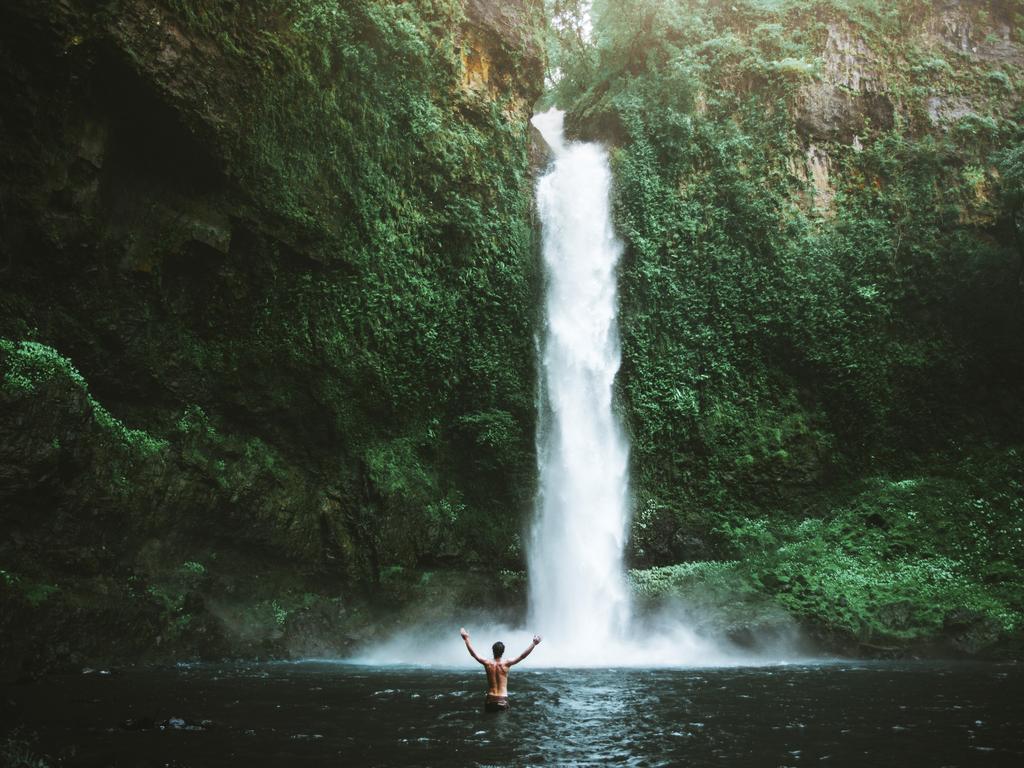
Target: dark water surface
(848,714)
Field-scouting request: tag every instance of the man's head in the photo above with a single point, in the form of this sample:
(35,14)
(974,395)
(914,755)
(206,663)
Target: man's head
(498,649)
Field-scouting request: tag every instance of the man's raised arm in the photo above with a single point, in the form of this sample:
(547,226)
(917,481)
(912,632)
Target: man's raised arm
(524,654)
(465,636)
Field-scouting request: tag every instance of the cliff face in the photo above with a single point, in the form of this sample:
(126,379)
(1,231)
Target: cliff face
(821,306)
(268,289)
(953,63)
(266,295)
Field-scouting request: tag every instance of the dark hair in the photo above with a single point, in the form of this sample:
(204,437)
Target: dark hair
(498,648)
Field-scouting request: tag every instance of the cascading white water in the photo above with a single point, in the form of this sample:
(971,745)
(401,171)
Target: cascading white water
(578,593)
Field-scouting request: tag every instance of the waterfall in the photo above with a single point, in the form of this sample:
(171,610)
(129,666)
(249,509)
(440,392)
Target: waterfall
(578,599)
(578,593)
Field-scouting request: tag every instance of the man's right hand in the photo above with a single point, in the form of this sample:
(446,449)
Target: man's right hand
(464,633)
(536,639)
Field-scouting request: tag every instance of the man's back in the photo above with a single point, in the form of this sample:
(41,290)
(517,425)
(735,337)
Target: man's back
(497,677)
(497,671)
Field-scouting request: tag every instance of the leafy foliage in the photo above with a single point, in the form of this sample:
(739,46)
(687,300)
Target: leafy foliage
(370,283)
(895,561)
(27,366)
(415,192)
(767,344)
(791,323)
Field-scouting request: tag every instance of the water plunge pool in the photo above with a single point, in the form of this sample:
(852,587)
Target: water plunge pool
(315,713)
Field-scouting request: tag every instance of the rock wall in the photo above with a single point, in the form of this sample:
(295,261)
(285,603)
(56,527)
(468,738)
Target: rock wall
(266,295)
(948,63)
(822,305)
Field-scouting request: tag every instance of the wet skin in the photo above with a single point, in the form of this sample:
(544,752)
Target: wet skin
(497,668)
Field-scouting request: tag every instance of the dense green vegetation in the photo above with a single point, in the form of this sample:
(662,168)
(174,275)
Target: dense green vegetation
(381,311)
(268,297)
(418,193)
(784,338)
(892,563)
(267,300)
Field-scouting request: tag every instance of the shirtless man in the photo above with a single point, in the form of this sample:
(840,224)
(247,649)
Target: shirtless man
(497,672)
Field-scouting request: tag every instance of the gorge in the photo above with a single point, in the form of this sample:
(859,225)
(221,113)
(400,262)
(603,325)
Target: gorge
(271,285)
(688,334)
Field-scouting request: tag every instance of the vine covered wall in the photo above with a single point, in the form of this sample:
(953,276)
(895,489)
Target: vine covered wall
(822,303)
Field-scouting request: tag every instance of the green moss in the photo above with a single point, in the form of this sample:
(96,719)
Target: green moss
(38,593)
(901,557)
(397,471)
(29,366)
(897,563)
(1000,79)
(682,580)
